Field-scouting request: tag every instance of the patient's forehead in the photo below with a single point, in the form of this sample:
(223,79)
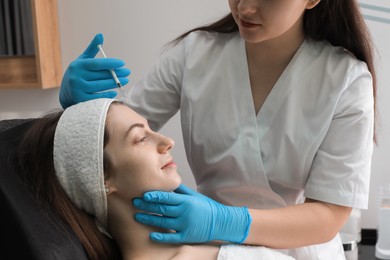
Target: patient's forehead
(121,116)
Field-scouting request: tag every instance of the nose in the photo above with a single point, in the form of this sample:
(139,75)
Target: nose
(246,7)
(165,143)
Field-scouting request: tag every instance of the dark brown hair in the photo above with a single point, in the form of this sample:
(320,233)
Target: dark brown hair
(337,21)
(34,159)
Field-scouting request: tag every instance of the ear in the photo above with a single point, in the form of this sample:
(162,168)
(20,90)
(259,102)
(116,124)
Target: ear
(312,3)
(109,186)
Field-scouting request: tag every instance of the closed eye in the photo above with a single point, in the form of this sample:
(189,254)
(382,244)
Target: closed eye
(142,139)
(132,127)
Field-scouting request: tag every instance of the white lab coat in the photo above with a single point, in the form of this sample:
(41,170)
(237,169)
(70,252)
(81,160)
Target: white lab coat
(311,138)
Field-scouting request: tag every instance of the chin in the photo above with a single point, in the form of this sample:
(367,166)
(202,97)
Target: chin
(171,186)
(252,38)
(176,181)
(177,184)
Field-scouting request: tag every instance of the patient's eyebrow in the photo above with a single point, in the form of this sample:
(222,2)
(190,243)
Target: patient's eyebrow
(132,127)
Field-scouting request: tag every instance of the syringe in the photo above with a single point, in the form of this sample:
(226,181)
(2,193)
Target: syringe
(113,73)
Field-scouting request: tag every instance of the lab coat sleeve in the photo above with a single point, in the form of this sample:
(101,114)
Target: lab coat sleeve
(340,173)
(157,96)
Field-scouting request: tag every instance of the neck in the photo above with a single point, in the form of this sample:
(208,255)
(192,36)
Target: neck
(279,51)
(133,237)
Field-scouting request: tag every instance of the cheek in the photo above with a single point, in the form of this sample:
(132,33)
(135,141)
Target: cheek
(127,171)
(162,181)
(129,160)
(276,25)
(139,172)
(289,15)
(233,5)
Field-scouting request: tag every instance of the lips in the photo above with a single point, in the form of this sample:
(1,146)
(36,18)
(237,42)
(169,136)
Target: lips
(169,164)
(247,24)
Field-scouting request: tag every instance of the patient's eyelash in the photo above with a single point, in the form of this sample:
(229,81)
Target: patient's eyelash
(142,139)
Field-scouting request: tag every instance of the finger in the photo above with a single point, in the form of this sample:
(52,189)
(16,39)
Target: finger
(100,64)
(123,81)
(154,220)
(104,74)
(166,210)
(123,72)
(92,48)
(166,238)
(164,197)
(182,189)
(92,87)
(86,97)
(108,94)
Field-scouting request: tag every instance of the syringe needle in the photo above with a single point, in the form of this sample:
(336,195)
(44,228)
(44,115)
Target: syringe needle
(113,73)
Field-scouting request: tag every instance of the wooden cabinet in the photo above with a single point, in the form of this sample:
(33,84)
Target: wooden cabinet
(42,70)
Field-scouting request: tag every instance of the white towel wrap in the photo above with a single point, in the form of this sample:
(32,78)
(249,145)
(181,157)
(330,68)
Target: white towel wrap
(78,156)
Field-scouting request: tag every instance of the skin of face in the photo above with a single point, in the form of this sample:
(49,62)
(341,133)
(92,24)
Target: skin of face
(262,20)
(140,158)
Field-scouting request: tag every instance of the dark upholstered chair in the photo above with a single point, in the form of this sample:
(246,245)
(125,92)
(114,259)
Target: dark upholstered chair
(27,231)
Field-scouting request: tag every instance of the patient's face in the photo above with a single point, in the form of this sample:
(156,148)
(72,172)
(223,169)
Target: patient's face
(140,158)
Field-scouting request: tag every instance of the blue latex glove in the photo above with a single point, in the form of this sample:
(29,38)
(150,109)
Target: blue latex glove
(194,217)
(87,76)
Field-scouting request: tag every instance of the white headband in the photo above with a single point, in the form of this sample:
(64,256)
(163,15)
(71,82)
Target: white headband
(78,156)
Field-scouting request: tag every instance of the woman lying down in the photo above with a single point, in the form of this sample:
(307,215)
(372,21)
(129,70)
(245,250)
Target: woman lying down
(90,161)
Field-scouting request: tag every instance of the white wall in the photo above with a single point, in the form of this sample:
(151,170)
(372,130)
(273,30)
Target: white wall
(381,158)
(136,31)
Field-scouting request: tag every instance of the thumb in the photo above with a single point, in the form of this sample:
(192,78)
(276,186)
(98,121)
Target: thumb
(92,49)
(182,189)
(166,238)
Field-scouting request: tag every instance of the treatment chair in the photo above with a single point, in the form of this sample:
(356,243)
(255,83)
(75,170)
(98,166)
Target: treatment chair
(27,231)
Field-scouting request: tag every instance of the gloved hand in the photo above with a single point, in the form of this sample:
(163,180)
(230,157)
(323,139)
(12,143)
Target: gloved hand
(194,217)
(87,76)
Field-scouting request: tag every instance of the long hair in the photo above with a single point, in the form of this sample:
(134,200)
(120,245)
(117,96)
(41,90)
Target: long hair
(338,21)
(34,159)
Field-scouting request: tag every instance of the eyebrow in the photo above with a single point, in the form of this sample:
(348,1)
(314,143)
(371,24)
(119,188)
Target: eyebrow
(132,127)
